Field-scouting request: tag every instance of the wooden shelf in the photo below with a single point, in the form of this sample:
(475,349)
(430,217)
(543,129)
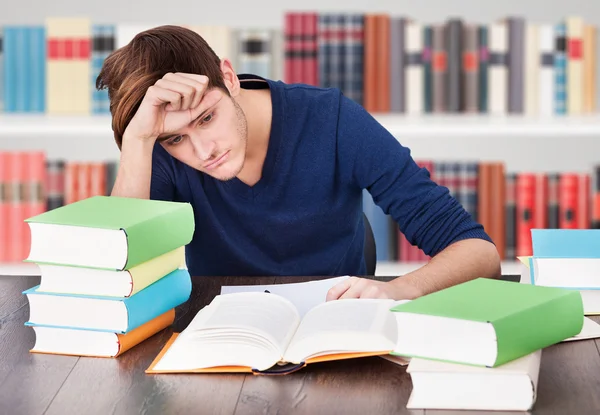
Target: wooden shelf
(383,268)
(398,124)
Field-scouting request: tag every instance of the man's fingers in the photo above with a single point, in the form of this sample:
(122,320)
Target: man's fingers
(337,290)
(187,92)
(355,290)
(161,96)
(198,82)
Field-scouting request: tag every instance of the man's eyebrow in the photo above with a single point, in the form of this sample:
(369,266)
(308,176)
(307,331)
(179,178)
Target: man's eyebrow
(202,114)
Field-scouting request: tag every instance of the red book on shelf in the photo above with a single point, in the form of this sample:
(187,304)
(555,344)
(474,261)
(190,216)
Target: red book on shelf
(293,66)
(568,200)
(34,194)
(525,205)
(310,47)
(540,217)
(17,213)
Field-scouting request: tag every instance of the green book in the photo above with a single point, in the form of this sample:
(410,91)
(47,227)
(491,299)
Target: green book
(108,232)
(486,322)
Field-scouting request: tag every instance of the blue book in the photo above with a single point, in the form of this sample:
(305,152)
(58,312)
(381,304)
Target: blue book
(566,243)
(111,314)
(10,52)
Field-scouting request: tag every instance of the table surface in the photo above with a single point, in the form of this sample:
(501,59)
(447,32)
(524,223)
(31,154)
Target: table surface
(35,384)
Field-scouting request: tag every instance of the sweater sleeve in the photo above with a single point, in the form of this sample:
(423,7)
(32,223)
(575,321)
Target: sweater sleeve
(426,213)
(162,182)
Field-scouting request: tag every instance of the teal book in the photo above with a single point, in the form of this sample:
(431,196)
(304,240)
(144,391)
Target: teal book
(108,232)
(112,314)
(486,322)
(566,243)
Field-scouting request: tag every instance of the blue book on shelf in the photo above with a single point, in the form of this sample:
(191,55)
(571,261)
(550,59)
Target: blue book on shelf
(10,49)
(566,243)
(111,314)
(36,70)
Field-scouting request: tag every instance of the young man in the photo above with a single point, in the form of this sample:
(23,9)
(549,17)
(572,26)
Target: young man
(275,172)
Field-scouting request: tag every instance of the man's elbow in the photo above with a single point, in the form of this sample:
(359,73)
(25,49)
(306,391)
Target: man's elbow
(491,264)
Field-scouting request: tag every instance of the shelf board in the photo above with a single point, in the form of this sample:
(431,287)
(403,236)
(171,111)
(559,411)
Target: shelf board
(400,125)
(383,268)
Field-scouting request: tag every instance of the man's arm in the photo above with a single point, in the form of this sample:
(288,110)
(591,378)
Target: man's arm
(135,169)
(426,213)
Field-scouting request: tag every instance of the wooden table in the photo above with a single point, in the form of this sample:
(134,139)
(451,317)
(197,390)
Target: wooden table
(35,384)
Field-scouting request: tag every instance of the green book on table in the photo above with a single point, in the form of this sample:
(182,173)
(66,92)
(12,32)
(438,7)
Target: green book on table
(108,232)
(487,322)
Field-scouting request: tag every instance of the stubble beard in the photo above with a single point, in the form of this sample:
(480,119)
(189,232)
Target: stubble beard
(242,133)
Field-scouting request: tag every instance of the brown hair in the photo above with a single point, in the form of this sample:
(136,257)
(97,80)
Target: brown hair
(130,70)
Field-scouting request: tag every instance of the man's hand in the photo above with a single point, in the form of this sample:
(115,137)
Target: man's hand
(171,103)
(355,287)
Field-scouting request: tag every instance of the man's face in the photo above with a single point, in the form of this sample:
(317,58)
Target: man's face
(215,143)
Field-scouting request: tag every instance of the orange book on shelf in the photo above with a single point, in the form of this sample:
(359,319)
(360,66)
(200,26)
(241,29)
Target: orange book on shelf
(4,206)
(89,343)
(568,201)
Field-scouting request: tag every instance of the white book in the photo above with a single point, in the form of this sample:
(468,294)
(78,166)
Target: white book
(546,61)
(414,68)
(441,385)
(532,69)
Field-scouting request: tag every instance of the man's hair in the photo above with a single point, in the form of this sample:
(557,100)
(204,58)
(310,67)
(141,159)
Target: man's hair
(130,70)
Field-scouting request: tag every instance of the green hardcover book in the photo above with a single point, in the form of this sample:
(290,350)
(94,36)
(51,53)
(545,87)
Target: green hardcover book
(486,322)
(107,232)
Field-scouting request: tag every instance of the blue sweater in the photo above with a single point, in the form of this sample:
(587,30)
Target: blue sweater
(304,216)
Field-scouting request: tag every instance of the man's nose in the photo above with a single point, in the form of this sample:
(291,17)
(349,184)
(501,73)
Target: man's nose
(203,149)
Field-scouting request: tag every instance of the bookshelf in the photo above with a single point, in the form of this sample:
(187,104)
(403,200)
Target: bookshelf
(460,125)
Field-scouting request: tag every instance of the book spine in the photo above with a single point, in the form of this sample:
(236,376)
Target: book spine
(427,74)
(498,69)
(168,292)
(310,70)
(324,49)
(439,68)
(370,57)
(484,57)
(560,69)
(540,217)
(455,81)
(382,59)
(470,67)
(516,59)
(397,61)
(354,57)
(414,69)
(575,94)
(525,204)
(595,222)
(568,201)
(2,81)
(532,69)
(5,235)
(511,216)
(55,184)
(583,201)
(589,71)
(546,77)
(553,201)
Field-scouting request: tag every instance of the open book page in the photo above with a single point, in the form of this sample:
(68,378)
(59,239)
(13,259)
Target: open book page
(344,326)
(243,329)
(304,295)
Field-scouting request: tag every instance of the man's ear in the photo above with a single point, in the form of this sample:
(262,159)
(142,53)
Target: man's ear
(230,77)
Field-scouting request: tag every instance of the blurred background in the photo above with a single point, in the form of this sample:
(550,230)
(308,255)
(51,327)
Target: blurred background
(498,100)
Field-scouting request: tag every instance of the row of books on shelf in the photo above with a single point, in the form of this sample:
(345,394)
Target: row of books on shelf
(385,63)
(507,204)
(100,296)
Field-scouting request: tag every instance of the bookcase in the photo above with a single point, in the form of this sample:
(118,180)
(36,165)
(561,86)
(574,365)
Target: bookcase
(523,141)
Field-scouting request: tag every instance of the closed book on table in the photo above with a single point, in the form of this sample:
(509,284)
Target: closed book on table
(109,232)
(119,315)
(81,342)
(111,283)
(487,322)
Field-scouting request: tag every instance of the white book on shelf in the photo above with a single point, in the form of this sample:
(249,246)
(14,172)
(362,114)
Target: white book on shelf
(546,78)
(498,69)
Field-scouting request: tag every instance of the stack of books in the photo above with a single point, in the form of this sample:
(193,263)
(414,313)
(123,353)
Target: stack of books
(566,258)
(478,345)
(111,273)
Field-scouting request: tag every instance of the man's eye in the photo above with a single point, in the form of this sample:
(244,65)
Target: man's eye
(176,140)
(207,118)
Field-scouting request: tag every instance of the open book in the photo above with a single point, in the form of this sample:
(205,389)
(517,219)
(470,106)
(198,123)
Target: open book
(263,333)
